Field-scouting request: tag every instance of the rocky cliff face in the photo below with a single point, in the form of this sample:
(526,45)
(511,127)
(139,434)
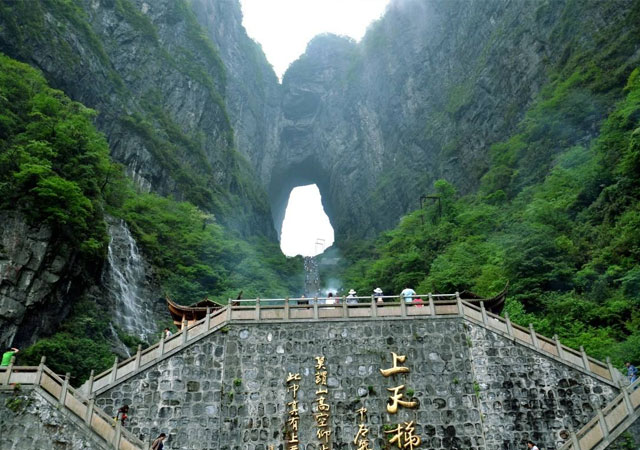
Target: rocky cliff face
(431,86)
(36,274)
(158,85)
(192,109)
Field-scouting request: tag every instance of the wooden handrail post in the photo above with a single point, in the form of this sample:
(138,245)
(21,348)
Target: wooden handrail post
(611,370)
(432,306)
(9,369)
(116,438)
(258,309)
(574,439)
(603,423)
(483,310)
(208,320)
(40,370)
(161,345)
(374,307)
(627,399)
(138,357)
(534,337)
(114,371)
(558,346)
(585,358)
(90,386)
(459,303)
(65,388)
(286,309)
(89,412)
(403,307)
(509,326)
(185,331)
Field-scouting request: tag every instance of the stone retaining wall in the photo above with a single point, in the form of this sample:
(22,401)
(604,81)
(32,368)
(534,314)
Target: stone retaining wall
(475,389)
(31,419)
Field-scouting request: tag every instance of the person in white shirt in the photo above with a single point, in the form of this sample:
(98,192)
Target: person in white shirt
(532,446)
(408,294)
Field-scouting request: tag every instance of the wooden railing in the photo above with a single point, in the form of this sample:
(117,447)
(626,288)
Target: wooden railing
(66,396)
(608,423)
(302,309)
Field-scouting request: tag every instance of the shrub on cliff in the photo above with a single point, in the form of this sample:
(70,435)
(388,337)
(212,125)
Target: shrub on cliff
(54,165)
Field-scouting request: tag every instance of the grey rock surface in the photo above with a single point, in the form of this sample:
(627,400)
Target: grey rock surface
(36,280)
(29,419)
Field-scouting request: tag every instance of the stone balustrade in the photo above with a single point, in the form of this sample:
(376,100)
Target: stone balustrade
(67,397)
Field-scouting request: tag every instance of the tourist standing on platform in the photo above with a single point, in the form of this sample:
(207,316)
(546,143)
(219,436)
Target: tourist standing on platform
(351,298)
(408,294)
(158,443)
(167,333)
(330,300)
(632,371)
(6,356)
(377,293)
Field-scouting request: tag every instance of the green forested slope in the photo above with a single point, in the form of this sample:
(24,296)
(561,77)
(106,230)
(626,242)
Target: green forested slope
(55,169)
(567,238)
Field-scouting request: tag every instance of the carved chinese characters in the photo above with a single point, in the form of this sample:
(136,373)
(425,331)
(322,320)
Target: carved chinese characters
(361,441)
(403,434)
(396,398)
(294,415)
(321,416)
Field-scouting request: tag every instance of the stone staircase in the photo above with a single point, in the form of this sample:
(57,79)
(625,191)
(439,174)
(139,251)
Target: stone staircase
(93,418)
(287,310)
(609,423)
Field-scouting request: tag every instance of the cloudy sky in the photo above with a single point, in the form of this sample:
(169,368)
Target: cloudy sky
(283,27)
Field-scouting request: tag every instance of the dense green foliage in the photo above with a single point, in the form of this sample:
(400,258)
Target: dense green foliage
(54,165)
(195,257)
(566,238)
(81,344)
(55,169)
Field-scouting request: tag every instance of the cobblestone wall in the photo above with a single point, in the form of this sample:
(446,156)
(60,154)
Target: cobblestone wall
(526,395)
(474,389)
(29,421)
